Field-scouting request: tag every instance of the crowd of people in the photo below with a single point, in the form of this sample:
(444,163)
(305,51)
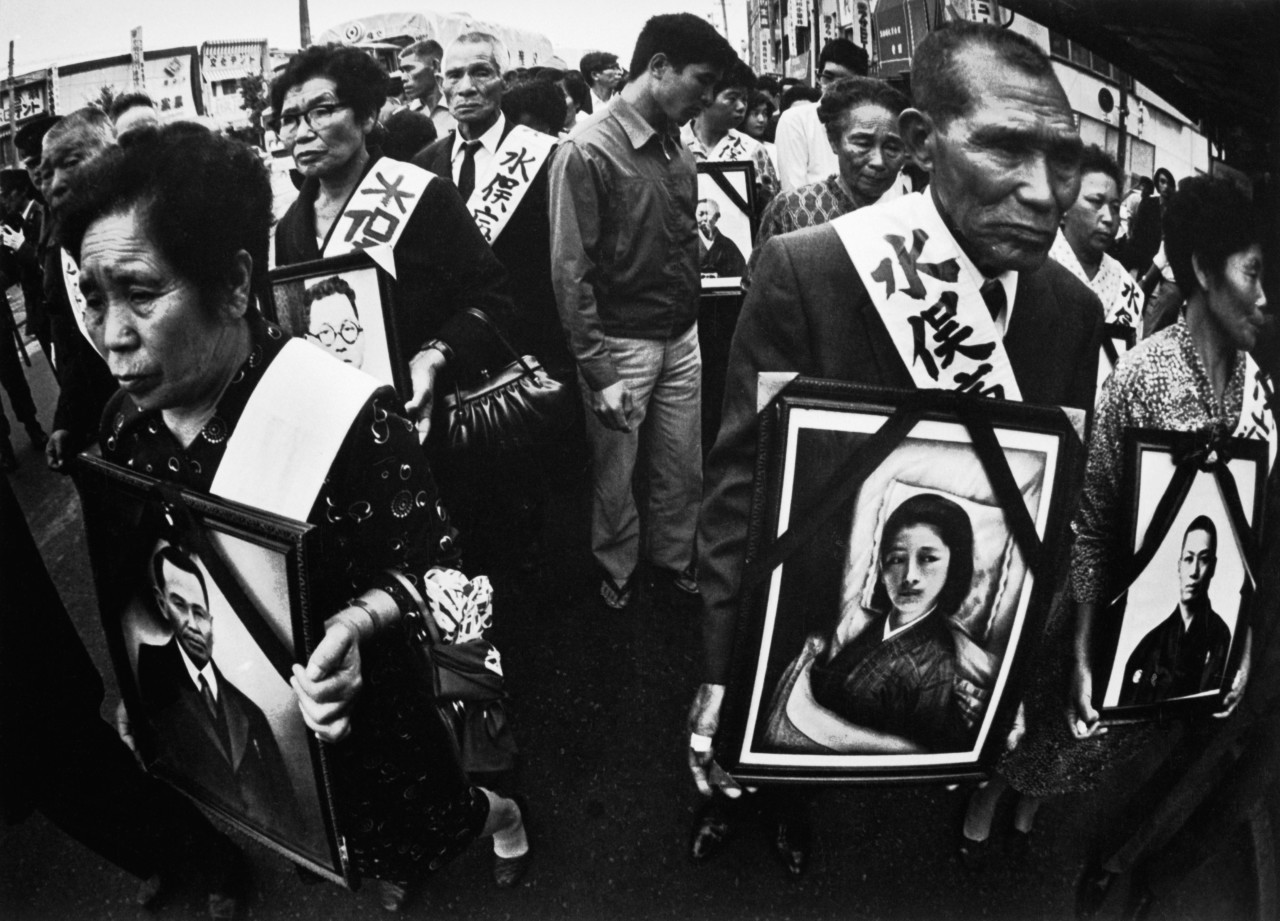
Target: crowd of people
(561,208)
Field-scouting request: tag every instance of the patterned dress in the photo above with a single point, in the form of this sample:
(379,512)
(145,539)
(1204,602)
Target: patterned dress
(1161,384)
(817,203)
(402,801)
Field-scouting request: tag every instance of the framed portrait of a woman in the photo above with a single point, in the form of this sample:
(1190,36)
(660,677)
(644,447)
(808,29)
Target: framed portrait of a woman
(344,305)
(902,546)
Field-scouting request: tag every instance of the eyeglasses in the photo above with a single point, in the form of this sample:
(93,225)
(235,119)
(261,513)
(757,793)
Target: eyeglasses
(349,332)
(317,117)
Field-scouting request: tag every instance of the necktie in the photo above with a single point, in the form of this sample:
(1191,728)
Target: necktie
(215,712)
(993,293)
(467,175)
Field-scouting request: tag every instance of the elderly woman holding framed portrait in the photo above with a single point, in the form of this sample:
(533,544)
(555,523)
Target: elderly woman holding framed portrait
(1195,376)
(889,689)
(324,105)
(172,236)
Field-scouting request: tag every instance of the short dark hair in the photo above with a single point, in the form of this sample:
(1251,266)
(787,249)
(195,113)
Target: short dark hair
(427,48)
(845,53)
(595,61)
(1094,159)
(936,86)
(405,132)
(358,79)
(542,101)
(798,92)
(15,179)
(1209,219)
(768,84)
(334,284)
(126,101)
(1147,186)
(31,135)
(576,86)
(852,92)
(1203,523)
(761,98)
(179,560)
(953,526)
(201,199)
(737,76)
(685,39)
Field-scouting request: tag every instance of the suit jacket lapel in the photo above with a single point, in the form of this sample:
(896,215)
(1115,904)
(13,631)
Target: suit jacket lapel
(237,722)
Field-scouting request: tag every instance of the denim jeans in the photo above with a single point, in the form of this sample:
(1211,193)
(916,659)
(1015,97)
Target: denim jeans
(665,380)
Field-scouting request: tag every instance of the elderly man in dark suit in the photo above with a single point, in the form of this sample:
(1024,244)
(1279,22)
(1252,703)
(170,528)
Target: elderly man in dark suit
(995,131)
(207,729)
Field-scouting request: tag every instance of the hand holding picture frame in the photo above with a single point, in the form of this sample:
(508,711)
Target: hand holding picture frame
(900,552)
(204,607)
(726,217)
(1173,636)
(345,305)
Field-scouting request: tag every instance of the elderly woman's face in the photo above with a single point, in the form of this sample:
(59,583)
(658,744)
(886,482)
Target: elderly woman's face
(870,151)
(1090,224)
(321,133)
(1236,301)
(145,319)
(913,566)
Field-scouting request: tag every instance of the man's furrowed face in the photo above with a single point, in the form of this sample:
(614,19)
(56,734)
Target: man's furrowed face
(185,605)
(419,75)
(473,84)
(1005,171)
(707,216)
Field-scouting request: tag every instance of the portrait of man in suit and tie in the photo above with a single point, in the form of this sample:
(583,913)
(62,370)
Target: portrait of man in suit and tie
(717,254)
(207,730)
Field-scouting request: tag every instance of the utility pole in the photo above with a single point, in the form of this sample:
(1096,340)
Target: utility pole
(724,15)
(304,23)
(13,108)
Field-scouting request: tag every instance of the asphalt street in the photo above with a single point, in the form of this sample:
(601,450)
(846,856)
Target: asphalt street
(598,704)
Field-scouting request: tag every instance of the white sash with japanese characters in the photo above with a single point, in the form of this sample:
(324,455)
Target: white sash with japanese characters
(1257,418)
(378,211)
(1121,296)
(502,185)
(934,313)
(291,429)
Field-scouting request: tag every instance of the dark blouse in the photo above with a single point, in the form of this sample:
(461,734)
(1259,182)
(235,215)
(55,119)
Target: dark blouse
(398,781)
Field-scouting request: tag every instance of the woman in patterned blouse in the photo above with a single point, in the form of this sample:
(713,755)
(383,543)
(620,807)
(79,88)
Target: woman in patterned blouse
(172,235)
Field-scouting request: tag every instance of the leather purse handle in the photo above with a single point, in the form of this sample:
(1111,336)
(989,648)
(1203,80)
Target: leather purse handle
(485,320)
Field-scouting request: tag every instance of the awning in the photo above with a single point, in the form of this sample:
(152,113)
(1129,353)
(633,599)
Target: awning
(1215,60)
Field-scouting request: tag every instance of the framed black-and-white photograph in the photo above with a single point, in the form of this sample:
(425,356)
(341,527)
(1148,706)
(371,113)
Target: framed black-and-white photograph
(345,305)
(726,217)
(1116,340)
(1181,608)
(901,547)
(204,605)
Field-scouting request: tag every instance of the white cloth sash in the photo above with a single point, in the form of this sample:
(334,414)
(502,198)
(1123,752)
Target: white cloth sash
(71,280)
(1121,296)
(1256,421)
(933,311)
(291,429)
(378,211)
(506,178)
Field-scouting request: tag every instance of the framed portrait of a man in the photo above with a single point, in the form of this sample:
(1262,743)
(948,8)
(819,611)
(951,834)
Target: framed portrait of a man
(344,305)
(726,217)
(203,603)
(1174,631)
(902,546)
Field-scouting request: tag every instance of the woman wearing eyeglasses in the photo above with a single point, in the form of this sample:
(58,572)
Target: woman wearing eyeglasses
(324,106)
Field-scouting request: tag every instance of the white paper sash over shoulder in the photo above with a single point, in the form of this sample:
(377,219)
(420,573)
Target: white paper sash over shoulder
(502,185)
(1257,420)
(934,313)
(1121,296)
(378,211)
(292,427)
(71,279)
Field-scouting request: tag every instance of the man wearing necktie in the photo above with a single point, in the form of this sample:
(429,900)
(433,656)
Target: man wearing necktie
(207,730)
(994,130)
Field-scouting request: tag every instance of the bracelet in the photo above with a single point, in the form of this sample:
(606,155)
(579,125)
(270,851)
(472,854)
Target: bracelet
(440,346)
(699,743)
(359,605)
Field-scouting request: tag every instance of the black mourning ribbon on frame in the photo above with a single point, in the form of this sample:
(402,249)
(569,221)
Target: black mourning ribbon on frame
(730,192)
(848,479)
(197,539)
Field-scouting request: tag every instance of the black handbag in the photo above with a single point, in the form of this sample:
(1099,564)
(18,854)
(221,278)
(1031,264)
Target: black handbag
(519,407)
